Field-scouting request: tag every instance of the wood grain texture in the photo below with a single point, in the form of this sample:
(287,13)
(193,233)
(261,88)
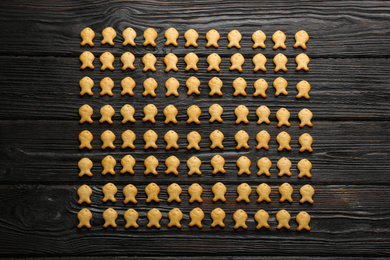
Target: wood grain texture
(349,48)
(47,88)
(219,256)
(355,213)
(342,29)
(344,152)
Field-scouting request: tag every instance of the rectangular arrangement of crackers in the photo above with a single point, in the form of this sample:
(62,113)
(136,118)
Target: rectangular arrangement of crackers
(109,141)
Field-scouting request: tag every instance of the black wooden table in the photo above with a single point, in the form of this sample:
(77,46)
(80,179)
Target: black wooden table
(349,48)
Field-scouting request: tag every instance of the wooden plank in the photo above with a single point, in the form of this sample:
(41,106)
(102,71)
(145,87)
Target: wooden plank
(342,29)
(41,220)
(220,256)
(49,89)
(344,152)
(349,51)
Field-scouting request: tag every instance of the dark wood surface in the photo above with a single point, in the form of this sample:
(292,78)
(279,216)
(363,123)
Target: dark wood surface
(39,100)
